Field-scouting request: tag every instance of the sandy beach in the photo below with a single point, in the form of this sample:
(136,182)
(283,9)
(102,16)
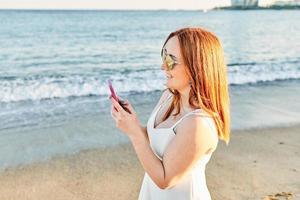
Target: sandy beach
(58,140)
(257,163)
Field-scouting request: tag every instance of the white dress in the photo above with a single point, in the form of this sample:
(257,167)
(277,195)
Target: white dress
(193,185)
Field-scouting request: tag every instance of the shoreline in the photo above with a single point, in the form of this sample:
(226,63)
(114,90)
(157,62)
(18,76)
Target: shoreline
(266,158)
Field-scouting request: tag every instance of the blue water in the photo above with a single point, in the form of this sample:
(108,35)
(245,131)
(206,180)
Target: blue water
(62,54)
(48,54)
(54,66)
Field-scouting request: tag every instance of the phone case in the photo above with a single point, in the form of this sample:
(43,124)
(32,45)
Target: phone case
(114,95)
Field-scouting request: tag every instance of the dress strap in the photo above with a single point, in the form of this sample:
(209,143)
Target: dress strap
(195,112)
(186,115)
(190,113)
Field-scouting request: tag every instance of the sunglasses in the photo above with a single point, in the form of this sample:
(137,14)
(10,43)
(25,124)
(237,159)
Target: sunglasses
(169,60)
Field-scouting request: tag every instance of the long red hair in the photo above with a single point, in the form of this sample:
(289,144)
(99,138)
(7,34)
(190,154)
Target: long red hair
(203,56)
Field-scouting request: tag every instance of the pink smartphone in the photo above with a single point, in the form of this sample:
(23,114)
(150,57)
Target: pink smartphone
(114,95)
(112,91)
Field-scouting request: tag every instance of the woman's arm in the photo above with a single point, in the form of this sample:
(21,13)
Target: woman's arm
(131,126)
(150,162)
(144,130)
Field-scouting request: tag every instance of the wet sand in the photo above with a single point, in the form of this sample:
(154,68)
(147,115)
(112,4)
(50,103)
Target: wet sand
(257,163)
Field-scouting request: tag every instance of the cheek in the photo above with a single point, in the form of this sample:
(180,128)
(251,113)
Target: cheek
(180,77)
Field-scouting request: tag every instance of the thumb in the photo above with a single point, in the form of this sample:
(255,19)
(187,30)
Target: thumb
(129,106)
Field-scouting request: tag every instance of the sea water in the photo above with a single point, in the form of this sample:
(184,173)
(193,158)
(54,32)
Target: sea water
(54,67)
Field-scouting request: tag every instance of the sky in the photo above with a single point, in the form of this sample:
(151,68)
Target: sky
(113,4)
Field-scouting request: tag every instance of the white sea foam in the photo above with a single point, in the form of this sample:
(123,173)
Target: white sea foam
(63,86)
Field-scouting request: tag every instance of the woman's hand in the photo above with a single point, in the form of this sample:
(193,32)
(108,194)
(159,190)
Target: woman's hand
(126,122)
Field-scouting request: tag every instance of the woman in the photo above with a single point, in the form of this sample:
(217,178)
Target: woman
(191,115)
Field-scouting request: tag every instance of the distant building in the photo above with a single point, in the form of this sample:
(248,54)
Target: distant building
(263,3)
(266,3)
(244,3)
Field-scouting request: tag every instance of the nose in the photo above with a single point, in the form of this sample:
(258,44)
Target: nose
(163,67)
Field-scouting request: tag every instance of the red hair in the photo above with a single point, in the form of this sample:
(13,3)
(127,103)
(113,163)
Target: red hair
(203,57)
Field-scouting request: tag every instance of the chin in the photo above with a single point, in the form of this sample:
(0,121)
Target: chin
(170,86)
(167,83)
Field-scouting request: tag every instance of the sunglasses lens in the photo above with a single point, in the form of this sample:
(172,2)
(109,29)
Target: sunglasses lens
(170,66)
(169,62)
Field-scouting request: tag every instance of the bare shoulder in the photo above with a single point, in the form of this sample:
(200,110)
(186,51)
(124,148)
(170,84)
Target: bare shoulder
(198,128)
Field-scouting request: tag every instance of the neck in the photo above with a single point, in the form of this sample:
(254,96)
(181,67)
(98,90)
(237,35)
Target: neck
(184,95)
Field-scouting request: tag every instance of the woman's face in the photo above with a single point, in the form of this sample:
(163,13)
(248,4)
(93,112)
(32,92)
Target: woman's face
(176,78)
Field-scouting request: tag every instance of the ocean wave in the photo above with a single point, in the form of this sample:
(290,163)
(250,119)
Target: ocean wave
(249,73)
(47,86)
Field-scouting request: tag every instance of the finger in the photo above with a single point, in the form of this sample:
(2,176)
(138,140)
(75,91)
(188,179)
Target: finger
(113,116)
(129,106)
(116,116)
(117,105)
(124,105)
(114,112)
(112,107)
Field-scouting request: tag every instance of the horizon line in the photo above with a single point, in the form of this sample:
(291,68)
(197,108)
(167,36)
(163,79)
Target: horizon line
(100,9)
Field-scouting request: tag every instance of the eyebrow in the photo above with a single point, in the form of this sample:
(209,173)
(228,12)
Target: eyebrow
(174,57)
